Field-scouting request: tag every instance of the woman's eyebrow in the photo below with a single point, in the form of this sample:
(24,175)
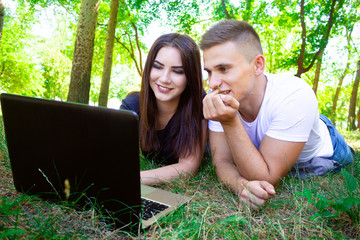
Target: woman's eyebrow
(156,61)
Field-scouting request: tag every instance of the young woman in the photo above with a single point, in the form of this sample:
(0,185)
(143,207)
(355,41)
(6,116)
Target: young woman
(172,128)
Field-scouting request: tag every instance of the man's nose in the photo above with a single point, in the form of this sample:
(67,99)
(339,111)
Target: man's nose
(214,81)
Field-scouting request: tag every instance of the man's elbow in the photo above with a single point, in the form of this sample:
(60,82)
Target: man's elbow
(274,178)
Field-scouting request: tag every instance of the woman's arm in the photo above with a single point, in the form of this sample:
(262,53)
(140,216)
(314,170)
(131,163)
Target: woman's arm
(185,166)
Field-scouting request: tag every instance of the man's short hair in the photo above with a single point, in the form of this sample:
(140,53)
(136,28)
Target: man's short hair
(239,32)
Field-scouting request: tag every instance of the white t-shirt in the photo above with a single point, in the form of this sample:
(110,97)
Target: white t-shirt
(289,112)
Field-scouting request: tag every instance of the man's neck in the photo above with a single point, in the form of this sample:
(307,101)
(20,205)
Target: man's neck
(250,106)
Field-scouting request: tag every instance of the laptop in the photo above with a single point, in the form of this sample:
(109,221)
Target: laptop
(89,155)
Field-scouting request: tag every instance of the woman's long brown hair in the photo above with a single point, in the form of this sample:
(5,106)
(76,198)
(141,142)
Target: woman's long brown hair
(186,134)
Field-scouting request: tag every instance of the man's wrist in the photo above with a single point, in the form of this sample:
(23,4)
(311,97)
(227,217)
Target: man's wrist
(230,122)
(242,184)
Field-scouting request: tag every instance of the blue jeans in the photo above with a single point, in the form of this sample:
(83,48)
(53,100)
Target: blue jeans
(342,152)
(341,157)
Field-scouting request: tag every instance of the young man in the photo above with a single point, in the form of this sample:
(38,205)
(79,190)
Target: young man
(262,125)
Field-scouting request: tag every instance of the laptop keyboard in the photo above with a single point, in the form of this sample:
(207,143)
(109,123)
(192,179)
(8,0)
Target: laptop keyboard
(151,208)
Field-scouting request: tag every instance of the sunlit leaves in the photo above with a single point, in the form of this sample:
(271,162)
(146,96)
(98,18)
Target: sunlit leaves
(18,72)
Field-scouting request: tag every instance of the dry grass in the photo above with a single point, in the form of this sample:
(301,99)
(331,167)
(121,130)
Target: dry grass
(213,213)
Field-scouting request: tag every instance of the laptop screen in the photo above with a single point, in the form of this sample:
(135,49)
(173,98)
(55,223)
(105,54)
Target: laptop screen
(80,153)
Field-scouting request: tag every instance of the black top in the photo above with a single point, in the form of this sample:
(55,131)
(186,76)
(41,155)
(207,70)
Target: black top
(166,155)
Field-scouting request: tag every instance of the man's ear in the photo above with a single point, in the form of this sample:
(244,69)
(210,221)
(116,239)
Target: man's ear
(259,63)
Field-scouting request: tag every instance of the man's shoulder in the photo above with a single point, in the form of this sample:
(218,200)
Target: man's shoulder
(287,82)
(286,89)
(283,77)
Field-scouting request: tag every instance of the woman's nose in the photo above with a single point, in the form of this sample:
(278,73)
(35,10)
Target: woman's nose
(165,76)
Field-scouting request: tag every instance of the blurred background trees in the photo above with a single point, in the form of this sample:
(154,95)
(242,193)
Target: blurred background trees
(316,40)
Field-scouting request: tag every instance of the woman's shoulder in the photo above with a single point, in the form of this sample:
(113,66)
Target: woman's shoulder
(131,102)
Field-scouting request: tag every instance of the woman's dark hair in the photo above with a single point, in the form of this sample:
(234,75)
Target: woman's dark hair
(186,134)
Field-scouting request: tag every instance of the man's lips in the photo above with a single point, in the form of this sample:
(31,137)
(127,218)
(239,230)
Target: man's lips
(225,92)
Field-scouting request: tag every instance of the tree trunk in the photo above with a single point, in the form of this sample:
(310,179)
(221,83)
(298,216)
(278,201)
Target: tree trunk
(358,119)
(225,10)
(324,41)
(2,16)
(341,80)
(337,92)
(352,107)
(110,38)
(79,89)
(300,60)
(317,73)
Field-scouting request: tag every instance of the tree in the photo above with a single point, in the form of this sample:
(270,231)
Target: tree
(352,107)
(135,17)
(105,81)
(320,35)
(342,77)
(225,10)
(83,52)
(131,45)
(317,71)
(2,17)
(184,15)
(248,10)
(348,17)
(18,72)
(358,119)
(56,69)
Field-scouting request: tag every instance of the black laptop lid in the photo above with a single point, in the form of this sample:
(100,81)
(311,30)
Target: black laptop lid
(94,149)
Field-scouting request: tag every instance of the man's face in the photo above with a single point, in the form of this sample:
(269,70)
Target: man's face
(229,70)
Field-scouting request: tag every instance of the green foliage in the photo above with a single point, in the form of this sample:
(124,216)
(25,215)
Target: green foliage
(56,72)
(9,208)
(29,220)
(183,14)
(36,66)
(350,203)
(18,72)
(234,219)
(213,213)
(325,98)
(47,3)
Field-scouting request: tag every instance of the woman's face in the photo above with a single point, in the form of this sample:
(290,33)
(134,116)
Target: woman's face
(167,77)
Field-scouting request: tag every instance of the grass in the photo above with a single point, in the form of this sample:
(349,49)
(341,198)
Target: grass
(213,213)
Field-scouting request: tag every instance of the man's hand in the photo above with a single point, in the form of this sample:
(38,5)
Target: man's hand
(256,193)
(220,107)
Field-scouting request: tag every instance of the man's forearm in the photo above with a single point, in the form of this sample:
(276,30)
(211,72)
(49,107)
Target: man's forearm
(230,177)
(249,161)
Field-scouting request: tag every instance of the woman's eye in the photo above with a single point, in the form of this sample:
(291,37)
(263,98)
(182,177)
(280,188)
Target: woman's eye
(156,66)
(179,71)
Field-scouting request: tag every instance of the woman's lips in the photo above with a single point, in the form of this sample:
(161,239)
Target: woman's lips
(164,89)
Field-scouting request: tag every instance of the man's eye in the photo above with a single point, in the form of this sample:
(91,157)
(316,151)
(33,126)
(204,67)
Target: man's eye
(224,69)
